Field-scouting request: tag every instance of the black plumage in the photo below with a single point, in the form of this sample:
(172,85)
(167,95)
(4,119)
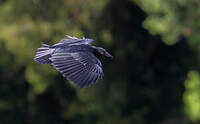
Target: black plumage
(76,59)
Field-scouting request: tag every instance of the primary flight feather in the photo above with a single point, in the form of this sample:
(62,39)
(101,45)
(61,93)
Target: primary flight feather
(76,59)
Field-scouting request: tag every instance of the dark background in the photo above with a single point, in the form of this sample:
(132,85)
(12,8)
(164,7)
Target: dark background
(153,79)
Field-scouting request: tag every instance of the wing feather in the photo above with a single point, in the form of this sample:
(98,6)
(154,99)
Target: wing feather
(91,79)
(82,68)
(75,75)
(81,78)
(73,41)
(85,80)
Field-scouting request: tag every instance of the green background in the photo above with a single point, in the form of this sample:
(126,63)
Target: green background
(153,79)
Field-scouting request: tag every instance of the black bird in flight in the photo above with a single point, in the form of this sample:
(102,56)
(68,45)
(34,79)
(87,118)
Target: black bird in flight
(76,59)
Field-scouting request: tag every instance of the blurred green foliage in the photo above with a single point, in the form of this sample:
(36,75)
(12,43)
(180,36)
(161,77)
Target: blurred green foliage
(172,19)
(154,78)
(192,95)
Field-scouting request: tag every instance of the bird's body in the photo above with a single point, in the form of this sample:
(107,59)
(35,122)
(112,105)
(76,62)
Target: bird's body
(75,59)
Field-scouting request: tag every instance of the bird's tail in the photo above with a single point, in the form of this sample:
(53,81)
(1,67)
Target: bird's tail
(43,54)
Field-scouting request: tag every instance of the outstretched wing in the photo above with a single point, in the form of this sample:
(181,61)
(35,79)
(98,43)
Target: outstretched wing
(73,41)
(82,68)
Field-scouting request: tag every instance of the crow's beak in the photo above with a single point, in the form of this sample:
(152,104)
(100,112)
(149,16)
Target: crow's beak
(108,55)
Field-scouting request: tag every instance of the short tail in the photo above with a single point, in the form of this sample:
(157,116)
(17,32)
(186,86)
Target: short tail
(43,54)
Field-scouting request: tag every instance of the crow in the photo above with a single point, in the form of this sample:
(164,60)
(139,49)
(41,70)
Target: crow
(76,59)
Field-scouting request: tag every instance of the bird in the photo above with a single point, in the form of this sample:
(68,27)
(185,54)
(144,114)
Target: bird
(76,59)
